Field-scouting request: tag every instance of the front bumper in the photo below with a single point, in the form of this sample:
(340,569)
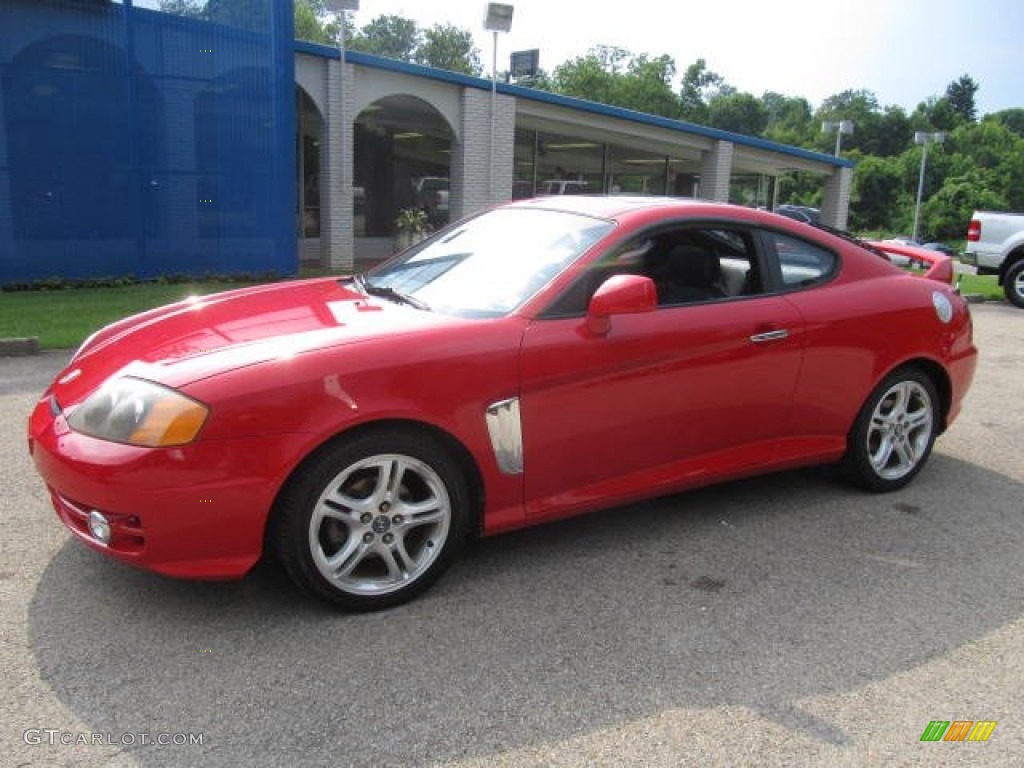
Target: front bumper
(197,511)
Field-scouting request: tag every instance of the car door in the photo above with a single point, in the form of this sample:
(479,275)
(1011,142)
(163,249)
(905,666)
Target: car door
(680,395)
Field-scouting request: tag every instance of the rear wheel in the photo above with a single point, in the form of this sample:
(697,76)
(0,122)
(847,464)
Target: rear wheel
(1013,284)
(373,521)
(894,432)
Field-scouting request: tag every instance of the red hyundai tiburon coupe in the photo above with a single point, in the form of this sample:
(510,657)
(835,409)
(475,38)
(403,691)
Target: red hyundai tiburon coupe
(536,361)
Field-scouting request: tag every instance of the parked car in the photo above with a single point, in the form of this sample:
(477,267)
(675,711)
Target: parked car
(536,361)
(562,187)
(942,248)
(894,254)
(802,213)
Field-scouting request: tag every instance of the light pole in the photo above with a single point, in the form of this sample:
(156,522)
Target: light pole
(840,127)
(338,7)
(498,19)
(339,237)
(924,139)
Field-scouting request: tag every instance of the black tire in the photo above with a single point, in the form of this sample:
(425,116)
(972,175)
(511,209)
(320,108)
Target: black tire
(371,522)
(1013,284)
(894,432)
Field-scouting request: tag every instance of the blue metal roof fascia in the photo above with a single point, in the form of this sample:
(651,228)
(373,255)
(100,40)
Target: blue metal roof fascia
(317,49)
(404,67)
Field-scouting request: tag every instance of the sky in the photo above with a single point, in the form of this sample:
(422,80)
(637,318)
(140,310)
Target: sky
(903,50)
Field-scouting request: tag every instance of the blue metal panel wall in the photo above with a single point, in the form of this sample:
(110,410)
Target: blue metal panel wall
(137,142)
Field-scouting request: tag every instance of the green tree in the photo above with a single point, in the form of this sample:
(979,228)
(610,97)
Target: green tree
(790,120)
(739,113)
(992,146)
(312,24)
(800,189)
(646,85)
(1011,118)
(699,86)
(387,35)
(936,114)
(584,77)
(859,106)
(615,76)
(960,95)
(542,81)
(947,213)
(449,47)
(877,187)
(893,133)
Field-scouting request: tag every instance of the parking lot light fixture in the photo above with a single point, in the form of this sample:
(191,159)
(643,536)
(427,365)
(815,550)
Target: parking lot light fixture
(338,7)
(498,19)
(924,139)
(840,127)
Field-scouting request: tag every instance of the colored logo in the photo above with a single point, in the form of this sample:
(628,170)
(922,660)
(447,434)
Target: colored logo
(958,730)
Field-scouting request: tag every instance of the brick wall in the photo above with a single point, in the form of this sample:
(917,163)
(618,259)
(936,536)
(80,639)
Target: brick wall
(337,242)
(473,158)
(716,171)
(835,204)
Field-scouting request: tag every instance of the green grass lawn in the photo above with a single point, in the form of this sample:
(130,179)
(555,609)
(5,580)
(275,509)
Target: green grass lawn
(64,318)
(981,285)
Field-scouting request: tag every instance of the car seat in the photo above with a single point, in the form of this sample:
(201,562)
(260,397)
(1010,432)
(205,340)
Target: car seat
(687,272)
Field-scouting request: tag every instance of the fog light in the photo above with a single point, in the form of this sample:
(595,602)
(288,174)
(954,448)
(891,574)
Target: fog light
(99,527)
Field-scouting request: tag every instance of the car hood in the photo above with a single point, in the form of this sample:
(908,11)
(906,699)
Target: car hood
(191,340)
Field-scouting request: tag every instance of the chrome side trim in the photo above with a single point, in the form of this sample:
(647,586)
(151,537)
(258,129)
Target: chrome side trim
(506,431)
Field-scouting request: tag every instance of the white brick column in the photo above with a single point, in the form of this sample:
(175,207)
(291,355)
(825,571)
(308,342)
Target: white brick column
(473,157)
(835,203)
(337,241)
(716,172)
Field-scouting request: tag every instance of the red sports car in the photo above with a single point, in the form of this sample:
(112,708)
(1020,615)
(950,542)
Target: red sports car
(535,361)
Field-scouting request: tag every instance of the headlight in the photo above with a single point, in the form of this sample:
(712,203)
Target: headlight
(139,412)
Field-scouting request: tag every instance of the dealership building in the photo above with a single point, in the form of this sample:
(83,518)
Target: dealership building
(139,142)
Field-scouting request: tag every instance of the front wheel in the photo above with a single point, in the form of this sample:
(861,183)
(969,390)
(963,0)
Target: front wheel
(894,432)
(1013,284)
(373,521)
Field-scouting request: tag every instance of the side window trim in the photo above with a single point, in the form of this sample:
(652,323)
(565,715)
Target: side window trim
(760,251)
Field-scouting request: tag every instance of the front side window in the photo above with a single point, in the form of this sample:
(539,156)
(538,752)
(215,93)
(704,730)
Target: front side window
(688,265)
(490,265)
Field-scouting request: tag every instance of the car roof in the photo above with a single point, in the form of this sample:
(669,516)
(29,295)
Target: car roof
(614,207)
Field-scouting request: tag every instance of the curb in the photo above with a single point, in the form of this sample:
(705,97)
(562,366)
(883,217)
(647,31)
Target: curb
(19,347)
(979,298)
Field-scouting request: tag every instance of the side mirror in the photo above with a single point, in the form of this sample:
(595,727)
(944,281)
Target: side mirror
(620,295)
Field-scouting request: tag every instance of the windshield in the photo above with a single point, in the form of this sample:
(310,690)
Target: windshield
(489,265)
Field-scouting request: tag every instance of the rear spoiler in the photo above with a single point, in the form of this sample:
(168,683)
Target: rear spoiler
(938,266)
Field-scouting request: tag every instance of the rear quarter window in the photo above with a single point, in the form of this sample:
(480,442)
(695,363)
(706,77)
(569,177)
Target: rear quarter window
(801,263)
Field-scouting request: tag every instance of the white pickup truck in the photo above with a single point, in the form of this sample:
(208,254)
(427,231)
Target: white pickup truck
(995,245)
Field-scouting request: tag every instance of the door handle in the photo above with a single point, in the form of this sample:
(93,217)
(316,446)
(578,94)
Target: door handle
(761,338)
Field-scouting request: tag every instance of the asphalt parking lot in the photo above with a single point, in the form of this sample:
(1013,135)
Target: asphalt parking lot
(786,621)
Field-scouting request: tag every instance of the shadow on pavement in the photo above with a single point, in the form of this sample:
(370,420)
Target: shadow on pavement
(757,593)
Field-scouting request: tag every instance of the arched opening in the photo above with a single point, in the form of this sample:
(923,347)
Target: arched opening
(402,150)
(309,125)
